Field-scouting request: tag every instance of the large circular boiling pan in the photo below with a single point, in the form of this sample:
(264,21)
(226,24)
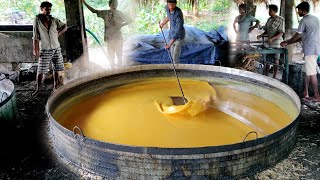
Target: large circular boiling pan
(130,162)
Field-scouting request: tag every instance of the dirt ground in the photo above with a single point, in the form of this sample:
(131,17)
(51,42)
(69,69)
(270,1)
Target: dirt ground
(26,152)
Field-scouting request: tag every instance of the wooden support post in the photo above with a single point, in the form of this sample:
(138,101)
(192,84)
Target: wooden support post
(75,35)
(287,14)
(287,7)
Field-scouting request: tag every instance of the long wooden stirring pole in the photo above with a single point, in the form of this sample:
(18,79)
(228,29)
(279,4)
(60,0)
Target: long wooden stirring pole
(174,68)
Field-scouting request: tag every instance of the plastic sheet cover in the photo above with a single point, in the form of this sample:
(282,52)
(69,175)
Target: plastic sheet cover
(199,47)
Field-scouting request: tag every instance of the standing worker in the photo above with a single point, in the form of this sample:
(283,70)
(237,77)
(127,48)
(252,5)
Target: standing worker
(244,21)
(177,31)
(114,20)
(46,30)
(309,33)
(274,29)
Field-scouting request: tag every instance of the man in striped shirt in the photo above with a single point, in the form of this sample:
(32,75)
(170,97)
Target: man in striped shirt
(177,31)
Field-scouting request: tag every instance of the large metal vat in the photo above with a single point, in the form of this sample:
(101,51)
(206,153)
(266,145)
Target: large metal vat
(119,161)
(8,102)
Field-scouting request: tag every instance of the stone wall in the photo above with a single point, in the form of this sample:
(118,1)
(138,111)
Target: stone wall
(16,47)
(16,52)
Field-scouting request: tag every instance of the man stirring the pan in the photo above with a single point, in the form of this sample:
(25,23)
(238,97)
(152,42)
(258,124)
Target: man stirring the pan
(177,31)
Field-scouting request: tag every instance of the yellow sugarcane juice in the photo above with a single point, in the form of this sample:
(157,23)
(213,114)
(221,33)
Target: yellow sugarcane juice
(134,114)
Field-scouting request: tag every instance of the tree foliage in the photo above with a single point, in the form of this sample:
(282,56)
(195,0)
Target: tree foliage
(146,13)
(221,5)
(28,9)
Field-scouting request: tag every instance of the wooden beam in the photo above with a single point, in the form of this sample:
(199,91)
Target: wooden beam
(75,35)
(289,6)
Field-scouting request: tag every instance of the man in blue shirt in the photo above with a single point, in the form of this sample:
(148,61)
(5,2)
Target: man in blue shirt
(177,31)
(309,33)
(244,21)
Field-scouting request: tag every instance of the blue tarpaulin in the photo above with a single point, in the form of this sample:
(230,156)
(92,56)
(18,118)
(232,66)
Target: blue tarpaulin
(199,47)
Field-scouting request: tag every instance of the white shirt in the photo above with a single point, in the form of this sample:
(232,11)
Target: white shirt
(48,38)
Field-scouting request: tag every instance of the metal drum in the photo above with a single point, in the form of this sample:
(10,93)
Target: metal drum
(8,101)
(120,161)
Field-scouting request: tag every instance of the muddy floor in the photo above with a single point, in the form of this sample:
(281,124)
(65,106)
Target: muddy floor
(26,152)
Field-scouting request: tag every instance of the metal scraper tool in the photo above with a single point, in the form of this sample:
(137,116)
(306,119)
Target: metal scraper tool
(177,100)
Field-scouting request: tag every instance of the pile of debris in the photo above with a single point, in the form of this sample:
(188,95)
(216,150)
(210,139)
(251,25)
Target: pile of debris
(247,62)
